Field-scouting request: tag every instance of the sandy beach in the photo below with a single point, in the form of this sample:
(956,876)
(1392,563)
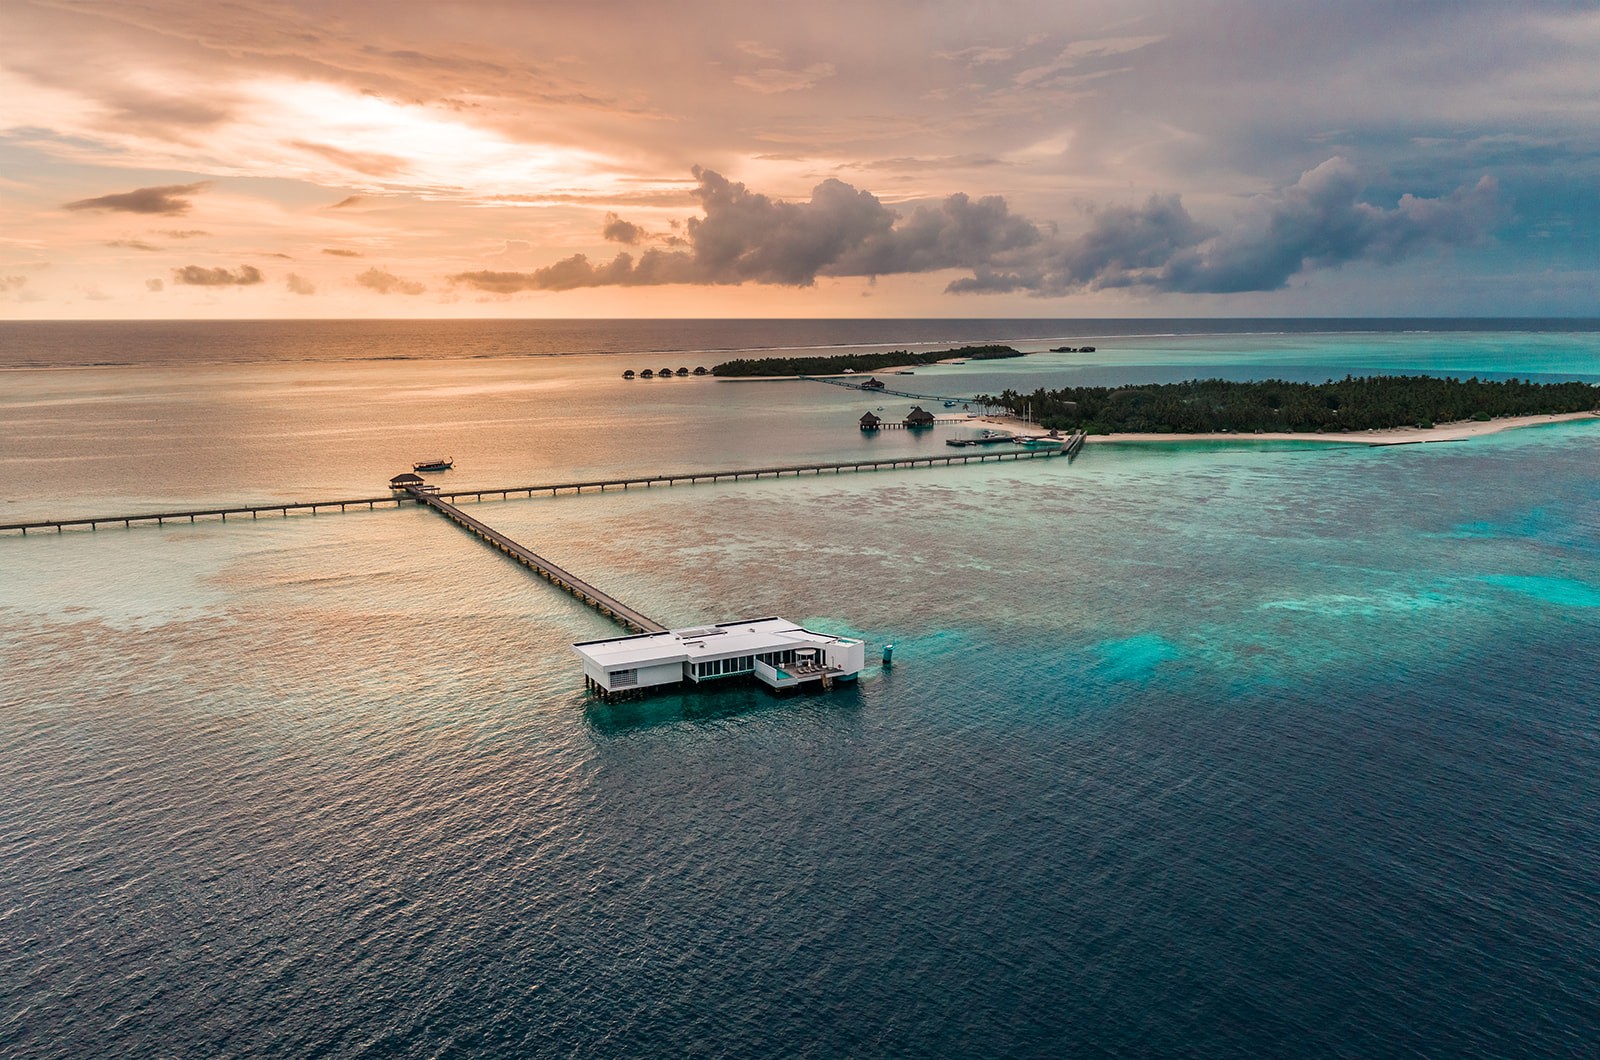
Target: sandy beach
(1444,432)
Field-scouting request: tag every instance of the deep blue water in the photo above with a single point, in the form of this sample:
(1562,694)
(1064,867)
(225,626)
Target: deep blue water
(1188,749)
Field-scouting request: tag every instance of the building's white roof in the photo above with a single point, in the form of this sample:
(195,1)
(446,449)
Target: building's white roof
(697,643)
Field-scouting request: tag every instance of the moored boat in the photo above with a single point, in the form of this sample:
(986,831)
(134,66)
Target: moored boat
(441,464)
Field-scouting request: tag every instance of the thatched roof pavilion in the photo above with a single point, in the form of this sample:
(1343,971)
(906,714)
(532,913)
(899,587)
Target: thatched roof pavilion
(869,422)
(400,482)
(919,417)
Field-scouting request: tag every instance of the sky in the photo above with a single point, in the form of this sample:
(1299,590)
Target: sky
(893,158)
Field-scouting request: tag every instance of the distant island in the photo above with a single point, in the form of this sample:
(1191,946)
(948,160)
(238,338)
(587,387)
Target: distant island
(855,362)
(1203,406)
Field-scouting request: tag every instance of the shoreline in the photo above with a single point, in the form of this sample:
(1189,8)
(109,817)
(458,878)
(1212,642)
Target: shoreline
(1459,431)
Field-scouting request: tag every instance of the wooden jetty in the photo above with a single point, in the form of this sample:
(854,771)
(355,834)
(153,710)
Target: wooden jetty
(848,385)
(604,603)
(398,498)
(904,463)
(254,511)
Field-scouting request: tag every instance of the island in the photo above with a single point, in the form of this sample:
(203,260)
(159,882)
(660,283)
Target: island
(838,364)
(1211,406)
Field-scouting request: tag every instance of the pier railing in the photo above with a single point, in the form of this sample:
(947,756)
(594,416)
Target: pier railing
(282,508)
(604,603)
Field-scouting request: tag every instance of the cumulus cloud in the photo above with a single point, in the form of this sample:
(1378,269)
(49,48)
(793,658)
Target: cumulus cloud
(155,285)
(299,284)
(1319,222)
(200,276)
(387,283)
(168,199)
(617,230)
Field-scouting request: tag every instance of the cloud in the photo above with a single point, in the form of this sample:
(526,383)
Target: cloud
(132,244)
(387,282)
(745,237)
(155,285)
(199,276)
(1318,222)
(367,163)
(772,80)
(346,202)
(12,283)
(617,230)
(299,284)
(340,252)
(167,199)
(185,233)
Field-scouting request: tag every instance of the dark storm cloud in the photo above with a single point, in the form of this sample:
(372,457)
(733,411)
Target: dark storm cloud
(168,199)
(745,237)
(200,276)
(1319,222)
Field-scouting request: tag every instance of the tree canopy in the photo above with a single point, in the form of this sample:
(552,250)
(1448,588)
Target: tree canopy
(1348,404)
(857,362)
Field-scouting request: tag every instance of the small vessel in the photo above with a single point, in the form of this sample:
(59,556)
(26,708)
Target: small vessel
(949,404)
(441,464)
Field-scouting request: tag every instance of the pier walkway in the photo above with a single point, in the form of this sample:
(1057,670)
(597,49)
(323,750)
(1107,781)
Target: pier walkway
(604,603)
(894,393)
(902,463)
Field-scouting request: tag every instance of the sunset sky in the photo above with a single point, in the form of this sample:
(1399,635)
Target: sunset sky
(243,158)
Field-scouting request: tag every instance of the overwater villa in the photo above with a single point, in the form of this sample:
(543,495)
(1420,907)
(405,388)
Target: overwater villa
(775,651)
(919,417)
(869,422)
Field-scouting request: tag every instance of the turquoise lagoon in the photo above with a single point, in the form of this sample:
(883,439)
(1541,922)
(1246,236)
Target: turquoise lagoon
(1206,749)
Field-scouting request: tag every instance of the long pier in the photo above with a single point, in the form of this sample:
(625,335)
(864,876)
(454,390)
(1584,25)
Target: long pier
(604,603)
(897,393)
(553,488)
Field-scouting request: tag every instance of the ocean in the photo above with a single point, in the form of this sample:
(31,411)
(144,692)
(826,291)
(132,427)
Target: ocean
(1187,749)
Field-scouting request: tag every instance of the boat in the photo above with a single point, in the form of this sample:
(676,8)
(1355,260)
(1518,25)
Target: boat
(949,404)
(442,464)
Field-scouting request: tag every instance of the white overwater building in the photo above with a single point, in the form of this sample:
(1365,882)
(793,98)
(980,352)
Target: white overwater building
(775,651)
